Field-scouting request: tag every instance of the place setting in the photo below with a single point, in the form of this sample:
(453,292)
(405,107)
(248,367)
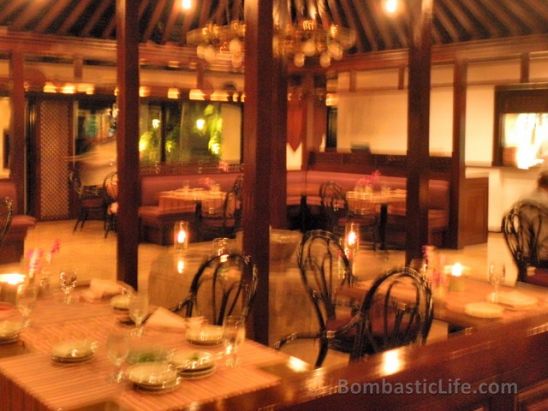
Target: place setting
(73,351)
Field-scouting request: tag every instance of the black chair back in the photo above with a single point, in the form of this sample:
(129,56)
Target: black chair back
(223,285)
(110,187)
(333,205)
(397,310)
(324,267)
(6,214)
(525,229)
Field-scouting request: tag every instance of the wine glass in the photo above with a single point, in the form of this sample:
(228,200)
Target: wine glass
(497,273)
(117,352)
(26,299)
(67,281)
(233,336)
(138,310)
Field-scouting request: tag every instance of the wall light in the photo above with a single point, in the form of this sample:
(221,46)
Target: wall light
(391,6)
(186,4)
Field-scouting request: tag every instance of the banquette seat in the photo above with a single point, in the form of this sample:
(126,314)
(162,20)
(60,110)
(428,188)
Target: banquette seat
(14,242)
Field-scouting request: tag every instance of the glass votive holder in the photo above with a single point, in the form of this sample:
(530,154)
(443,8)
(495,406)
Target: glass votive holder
(351,238)
(220,246)
(181,235)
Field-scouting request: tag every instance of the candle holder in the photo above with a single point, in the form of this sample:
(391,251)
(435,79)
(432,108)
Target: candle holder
(181,235)
(456,280)
(351,239)
(9,283)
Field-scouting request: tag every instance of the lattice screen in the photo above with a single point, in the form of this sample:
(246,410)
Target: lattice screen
(54,142)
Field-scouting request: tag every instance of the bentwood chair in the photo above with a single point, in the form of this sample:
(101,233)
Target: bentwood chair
(324,268)
(6,214)
(90,198)
(333,207)
(223,285)
(110,188)
(222,221)
(397,310)
(525,229)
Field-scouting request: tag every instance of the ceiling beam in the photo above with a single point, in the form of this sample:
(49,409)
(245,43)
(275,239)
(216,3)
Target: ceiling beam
(219,11)
(10,8)
(334,9)
(99,11)
(109,29)
(326,20)
(188,18)
(502,16)
(462,18)
(475,8)
(172,19)
(28,14)
(348,12)
(205,15)
(446,22)
(156,14)
(528,19)
(74,15)
(51,15)
(378,17)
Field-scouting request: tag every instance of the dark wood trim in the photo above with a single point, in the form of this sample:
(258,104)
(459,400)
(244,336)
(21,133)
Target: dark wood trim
(17,133)
(418,127)
(258,132)
(524,68)
(459,150)
(128,142)
(501,353)
(78,67)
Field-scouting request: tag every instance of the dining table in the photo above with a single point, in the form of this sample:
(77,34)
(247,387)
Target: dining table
(190,198)
(470,304)
(361,202)
(30,379)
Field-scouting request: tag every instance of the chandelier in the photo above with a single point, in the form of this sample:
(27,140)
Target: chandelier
(292,41)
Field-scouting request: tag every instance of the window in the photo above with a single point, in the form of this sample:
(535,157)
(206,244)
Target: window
(521,126)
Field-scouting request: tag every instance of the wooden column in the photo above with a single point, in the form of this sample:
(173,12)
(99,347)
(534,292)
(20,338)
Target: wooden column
(308,102)
(278,166)
(259,121)
(418,117)
(524,68)
(128,140)
(457,162)
(17,129)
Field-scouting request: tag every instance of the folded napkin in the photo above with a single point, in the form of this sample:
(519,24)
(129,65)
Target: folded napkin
(99,289)
(163,318)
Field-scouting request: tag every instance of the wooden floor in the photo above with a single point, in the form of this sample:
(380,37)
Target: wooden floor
(93,256)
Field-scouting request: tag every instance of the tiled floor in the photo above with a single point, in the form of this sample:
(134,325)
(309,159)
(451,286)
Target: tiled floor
(93,256)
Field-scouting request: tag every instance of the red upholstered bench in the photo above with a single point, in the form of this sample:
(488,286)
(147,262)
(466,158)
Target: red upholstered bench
(156,224)
(13,246)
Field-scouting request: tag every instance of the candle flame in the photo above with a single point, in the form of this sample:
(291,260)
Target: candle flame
(456,270)
(12,278)
(352,238)
(181,237)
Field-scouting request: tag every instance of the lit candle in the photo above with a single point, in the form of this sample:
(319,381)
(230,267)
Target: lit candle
(9,284)
(180,240)
(455,280)
(351,239)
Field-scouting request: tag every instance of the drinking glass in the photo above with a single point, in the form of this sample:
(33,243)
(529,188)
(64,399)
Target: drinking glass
(138,310)
(26,299)
(67,281)
(233,336)
(220,246)
(117,352)
(497,273)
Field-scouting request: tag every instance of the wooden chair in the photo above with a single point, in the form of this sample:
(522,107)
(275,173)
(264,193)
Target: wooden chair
(6,215)
(91,199)
(333,207)
(525,229)
(223,285)
(324,267)
(221,221)
(397,310)
(110,188)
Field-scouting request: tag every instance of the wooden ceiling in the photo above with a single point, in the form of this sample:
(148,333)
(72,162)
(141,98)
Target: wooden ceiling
(164,21)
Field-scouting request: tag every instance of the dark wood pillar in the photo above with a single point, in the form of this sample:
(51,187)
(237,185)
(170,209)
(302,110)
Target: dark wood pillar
(259,121)
(308,102)
(128,140)
(278,142)
(17,129)
(524,68)
(418,117)
(458,159)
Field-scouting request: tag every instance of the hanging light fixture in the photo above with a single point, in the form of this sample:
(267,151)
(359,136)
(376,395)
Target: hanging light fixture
(295,41)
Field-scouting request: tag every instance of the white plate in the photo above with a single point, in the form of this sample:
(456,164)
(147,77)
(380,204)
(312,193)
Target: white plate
(153,375)
(120,302)
(484,310)
(205,335)
(10,329)
(192,361)
(194,375)
(73,350)
(516,300)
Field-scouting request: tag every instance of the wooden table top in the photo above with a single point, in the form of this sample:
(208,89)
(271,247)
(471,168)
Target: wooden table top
(29,379)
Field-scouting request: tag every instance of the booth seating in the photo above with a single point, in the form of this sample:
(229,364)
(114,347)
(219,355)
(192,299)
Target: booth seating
(303,189)
(156,223)
(13,245)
